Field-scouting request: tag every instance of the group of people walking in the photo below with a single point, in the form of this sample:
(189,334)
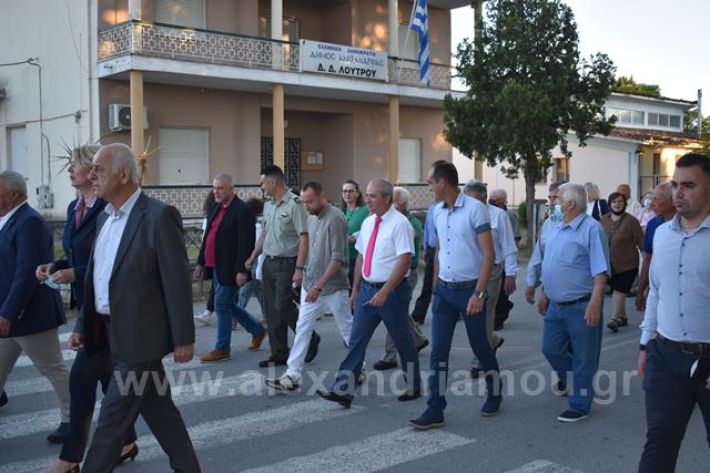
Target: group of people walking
(127,266)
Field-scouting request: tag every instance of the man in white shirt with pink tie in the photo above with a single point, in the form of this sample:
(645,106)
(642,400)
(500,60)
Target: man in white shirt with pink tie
(380,292)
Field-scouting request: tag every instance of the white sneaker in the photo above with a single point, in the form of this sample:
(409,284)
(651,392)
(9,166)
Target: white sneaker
(205,318)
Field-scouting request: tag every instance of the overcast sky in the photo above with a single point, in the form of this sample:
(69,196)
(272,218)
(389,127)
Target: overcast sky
(658,42)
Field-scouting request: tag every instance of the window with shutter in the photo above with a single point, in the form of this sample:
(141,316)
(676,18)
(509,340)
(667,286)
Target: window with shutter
(188,13)
(184,156)
(410,160)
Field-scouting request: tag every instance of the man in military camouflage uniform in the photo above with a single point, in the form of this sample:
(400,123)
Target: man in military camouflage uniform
(284,242)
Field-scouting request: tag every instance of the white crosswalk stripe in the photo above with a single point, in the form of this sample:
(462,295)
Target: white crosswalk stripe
(372,454)
(194,390)
(543,466)
(224,431)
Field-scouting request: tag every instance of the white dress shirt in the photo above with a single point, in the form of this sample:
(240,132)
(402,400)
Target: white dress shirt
(678,297)
(106,248)
(457,229)
(503,240)
(6,218)
(395,237)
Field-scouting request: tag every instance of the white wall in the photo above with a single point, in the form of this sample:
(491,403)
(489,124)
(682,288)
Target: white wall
(57,33)
(604,161)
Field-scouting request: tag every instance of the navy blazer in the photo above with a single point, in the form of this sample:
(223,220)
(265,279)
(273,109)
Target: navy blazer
(235,240)
(25,243)
(77,244)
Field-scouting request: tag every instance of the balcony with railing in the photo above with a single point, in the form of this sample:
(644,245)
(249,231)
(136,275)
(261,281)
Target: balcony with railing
(212,47)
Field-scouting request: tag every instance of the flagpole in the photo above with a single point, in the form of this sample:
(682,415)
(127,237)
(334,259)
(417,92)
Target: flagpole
(406,37)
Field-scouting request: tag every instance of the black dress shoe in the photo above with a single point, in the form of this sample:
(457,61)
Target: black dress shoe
(129,455)
(272,362)
(410,396)
(500,344)
(313,347)
(332,397)
(384,365)
(476,371)
(424,344)
(58,435)
(3,399)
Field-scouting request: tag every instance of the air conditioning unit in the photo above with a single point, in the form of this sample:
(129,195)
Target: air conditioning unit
(119,117)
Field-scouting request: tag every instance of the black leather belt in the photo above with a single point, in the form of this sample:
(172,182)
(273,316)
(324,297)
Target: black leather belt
(458,284)
(686,347)
(376,285)
(280,257)
(104,317)
(576,301)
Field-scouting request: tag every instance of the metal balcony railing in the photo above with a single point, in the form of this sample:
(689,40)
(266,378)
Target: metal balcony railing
(196,45)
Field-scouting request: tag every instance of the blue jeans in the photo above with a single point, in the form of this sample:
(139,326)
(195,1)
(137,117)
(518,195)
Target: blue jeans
(671,396)
(448,304)
(252,289)
(86,372)
(394,314)
(227,309)
(565,325)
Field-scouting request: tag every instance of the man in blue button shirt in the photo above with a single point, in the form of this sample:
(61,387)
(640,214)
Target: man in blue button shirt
(575,267)
(465,255)
(675,342)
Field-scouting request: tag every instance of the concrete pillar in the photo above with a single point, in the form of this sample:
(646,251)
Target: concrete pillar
(135,10)
(394,137)
(393,27)
(277,99)
(137,118)
(477,17)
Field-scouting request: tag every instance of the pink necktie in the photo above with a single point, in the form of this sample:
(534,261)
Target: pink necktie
(371,248)
(79,213)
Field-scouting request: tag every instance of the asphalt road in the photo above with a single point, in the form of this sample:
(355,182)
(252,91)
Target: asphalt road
(236,424)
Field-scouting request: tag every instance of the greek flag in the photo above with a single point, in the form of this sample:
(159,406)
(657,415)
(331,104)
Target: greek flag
(420,24)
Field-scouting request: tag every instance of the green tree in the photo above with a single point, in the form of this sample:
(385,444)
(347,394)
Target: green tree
(527,87)
(690,125)
(627,85)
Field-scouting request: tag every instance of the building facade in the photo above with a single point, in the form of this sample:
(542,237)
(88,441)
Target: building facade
(328,89)
(641,151)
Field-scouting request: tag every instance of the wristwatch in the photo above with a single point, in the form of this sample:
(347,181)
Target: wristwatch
(481,294)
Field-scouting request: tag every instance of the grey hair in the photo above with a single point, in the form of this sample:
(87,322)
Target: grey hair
(123,157)
(575,193)
(225,178)
(15,182)
(84,155)
(667,189)
(499,194)
(474,185)
(556,185)
(403,193)
(384,186)
(592,191)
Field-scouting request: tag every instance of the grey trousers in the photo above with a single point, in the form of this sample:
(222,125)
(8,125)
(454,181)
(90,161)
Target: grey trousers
(120,409)
(281,312)
(44,351)
(494,283)
(419,338)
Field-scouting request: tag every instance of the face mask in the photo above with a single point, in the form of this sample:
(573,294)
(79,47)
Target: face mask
(557,212)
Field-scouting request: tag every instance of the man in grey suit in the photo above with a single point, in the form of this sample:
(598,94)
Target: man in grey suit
(138,304)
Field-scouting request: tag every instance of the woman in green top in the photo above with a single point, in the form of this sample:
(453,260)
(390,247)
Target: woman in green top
(355,210)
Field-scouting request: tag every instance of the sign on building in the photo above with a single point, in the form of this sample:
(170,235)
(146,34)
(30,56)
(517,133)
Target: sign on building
(336,59)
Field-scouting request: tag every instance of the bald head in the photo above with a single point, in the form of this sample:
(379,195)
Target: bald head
(498,197)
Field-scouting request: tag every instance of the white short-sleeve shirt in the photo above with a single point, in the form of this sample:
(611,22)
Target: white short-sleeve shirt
(395,237)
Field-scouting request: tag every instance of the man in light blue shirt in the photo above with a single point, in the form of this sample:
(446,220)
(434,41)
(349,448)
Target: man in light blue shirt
(675,342)
(575,267)
(465,255)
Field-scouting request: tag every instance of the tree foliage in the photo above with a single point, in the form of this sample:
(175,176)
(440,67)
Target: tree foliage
(627,85)
(527,88)
(690,125)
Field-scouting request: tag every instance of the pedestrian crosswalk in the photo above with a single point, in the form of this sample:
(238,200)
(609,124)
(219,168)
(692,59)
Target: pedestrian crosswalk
(205,391)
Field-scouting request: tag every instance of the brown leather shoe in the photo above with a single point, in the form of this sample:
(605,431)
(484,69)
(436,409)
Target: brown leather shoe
(257,340)
(214,356)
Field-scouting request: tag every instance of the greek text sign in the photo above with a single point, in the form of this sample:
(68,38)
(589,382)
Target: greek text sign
(336,59)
